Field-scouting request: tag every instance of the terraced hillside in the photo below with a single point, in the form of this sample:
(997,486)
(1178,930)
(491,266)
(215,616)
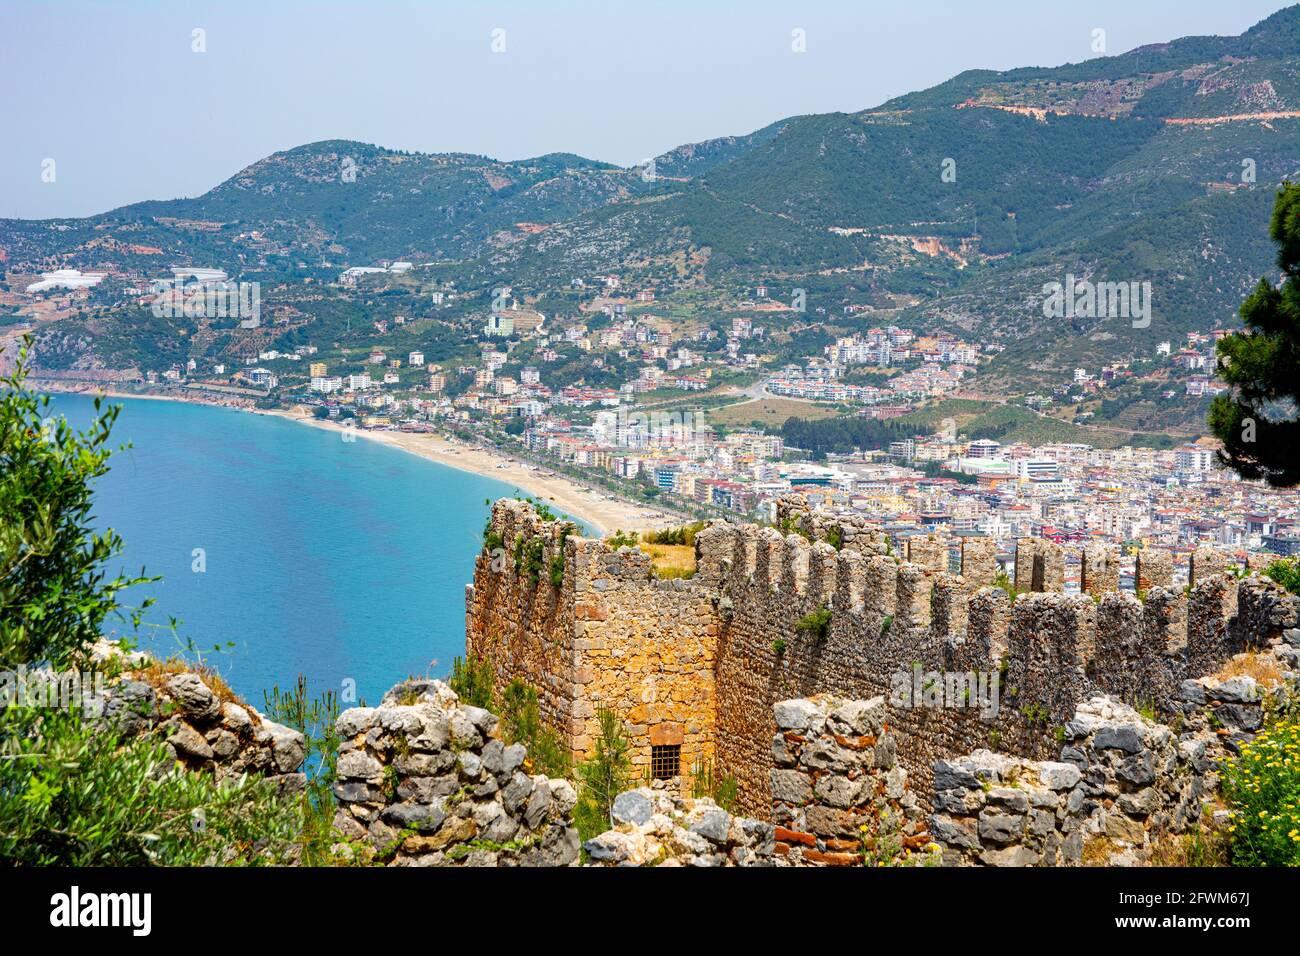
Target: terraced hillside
(1157,165)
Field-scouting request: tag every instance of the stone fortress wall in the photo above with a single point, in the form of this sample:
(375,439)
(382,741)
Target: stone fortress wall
(607,635)
(702,662)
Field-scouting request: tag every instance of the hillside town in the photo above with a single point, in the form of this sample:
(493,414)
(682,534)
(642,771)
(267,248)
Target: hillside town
(656,408)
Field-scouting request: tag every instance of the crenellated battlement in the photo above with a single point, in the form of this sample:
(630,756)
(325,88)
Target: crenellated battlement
(515,534)
(698,663)
(1110,630)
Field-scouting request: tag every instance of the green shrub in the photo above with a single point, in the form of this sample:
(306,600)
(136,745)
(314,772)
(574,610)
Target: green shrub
(73,794)
(1262,786)
(521,724)
(620,540)
(1003,581)
(54,592)
(793,526)
(72,791)
(528,558)
(706,783)
(314,718)
(817,624)
(602,777)
(685,535)
(1286,572)
(472,680)
(881,845)
(556,569)
(544,511)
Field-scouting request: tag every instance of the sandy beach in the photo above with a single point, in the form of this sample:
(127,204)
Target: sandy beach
(594,506)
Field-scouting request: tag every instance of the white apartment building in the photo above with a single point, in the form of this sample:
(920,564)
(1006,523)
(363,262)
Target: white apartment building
(1037,468)
(1193,460)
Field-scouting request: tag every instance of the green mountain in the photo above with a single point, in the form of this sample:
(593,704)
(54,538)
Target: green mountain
(1157,165)
(341,200)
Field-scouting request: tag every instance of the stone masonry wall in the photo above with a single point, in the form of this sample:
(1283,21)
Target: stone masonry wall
(424,782)
(1053,651)
(655,826)
(610,635)
(519,622)
(851,530)
(841,798)
(836,784)
(645,648)
(1121,779)
(203,724)
(713,654)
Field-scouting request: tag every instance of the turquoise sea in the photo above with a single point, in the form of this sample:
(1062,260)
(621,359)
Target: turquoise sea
(343,561)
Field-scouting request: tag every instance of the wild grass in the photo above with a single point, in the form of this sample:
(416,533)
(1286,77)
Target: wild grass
(671,560)
(1262,667)
(157,673)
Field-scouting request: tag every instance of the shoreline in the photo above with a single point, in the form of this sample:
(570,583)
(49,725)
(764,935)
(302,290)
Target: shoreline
(602,515)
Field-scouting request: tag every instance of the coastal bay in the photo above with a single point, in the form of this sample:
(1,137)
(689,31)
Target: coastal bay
(342,561)
(597,508)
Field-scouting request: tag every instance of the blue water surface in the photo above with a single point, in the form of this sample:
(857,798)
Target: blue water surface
(342,561)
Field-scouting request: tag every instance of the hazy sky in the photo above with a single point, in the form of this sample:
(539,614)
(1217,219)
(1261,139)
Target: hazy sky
(116,96)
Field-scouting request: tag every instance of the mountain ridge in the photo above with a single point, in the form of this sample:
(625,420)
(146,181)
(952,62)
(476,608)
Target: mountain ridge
(1076,166)
(1276,35)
